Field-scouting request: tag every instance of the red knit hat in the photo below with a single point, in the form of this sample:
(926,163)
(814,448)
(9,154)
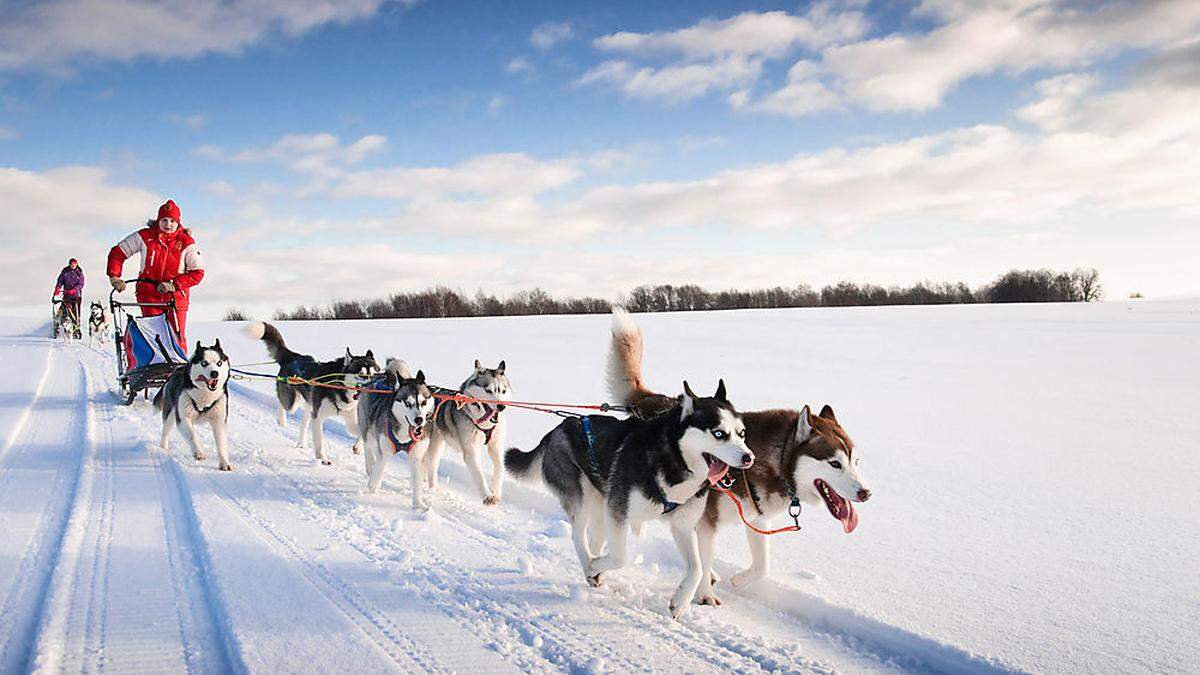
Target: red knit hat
(170,210)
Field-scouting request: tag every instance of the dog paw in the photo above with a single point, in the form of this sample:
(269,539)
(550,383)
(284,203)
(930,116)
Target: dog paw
(357,450)
(678,612)
(326,461)
(709,599)
(595,579)
(200,456)
(745,578)
(226,467)
(714,578)
(491,500)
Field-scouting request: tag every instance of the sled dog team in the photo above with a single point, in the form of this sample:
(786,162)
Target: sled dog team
(611,475)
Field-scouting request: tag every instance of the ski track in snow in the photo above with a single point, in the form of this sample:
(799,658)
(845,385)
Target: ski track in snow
(140,560)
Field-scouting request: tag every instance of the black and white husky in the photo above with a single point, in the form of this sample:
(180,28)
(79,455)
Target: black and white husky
(613,475)
(97,321)
(799,456)
(396,422)
(198,392)
(319,402)
(470,427)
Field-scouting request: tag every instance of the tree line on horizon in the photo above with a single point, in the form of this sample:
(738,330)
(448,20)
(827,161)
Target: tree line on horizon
(1041,285)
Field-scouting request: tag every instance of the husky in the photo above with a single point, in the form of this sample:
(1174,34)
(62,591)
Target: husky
(801,458)
(198,392)
(319,402)
(471,426)
(396,422)
(97,321)
(613,475)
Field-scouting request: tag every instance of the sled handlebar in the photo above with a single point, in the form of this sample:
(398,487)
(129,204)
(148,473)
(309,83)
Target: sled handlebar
(112,296)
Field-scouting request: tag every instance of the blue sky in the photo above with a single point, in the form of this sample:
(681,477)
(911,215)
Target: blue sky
(328,150)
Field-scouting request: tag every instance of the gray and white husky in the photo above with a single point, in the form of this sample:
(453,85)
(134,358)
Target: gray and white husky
(97,321)
(198,392)
(799,456)
(613,475)
(397,422)
(319,402)
(470,427)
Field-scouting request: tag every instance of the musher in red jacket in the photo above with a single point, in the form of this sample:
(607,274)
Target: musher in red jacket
(170,258)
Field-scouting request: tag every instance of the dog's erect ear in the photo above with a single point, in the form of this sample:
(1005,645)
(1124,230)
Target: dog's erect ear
(500,368)
(370,355)
(478,366)
(217,346)
(803,426)
(346,359)
(420,377)
(720,395)
(688,403)
(198,347)
(827,413)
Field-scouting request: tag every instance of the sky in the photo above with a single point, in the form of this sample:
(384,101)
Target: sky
(326,150)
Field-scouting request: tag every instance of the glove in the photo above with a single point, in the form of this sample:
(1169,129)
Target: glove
(117,283)
(165,287)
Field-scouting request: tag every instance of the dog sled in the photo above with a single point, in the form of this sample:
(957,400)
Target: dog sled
(62,322)
(147,347)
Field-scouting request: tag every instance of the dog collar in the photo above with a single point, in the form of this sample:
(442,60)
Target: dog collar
(397,446)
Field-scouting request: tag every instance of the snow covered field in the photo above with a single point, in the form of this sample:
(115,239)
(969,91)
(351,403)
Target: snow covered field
(1033,470)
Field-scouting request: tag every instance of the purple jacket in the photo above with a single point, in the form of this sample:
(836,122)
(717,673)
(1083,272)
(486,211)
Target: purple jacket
(70,282)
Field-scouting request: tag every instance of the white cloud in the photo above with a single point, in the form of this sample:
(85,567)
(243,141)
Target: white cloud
(749,34)
(514,176)
(495,103)
(47,217)
(61,32)
(193,122)
(321,153)
(718,55)
(519,65)
(548,34)
(677,82)
(915,71)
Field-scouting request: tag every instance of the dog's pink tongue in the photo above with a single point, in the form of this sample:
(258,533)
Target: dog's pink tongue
(717,471)
(849,517)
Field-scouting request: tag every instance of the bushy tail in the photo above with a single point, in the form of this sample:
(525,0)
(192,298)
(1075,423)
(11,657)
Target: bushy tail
(276,347)
(158,399)
(526,466)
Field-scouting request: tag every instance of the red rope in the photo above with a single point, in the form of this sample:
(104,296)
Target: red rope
(738,503)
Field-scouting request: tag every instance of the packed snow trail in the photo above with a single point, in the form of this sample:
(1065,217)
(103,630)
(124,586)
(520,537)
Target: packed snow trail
(117,556)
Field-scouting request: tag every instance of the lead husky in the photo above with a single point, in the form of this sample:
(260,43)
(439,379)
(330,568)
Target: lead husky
(395,422)
(198,392)
(472,426)
(611,475)
(319,402)
(799,456)
(97,321)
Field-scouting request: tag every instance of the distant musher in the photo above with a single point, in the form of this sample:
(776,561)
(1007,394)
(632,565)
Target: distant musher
(70,287)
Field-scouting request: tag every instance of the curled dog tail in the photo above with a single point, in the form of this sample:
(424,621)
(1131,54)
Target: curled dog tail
(526,466)
(624,371)
(276,347)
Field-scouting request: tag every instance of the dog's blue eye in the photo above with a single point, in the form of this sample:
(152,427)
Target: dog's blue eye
(720,434)
(835,464)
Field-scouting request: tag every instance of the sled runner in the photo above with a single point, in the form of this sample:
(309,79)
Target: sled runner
(147,347)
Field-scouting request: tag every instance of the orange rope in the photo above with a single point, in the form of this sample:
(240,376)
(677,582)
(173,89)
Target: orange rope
(738,503)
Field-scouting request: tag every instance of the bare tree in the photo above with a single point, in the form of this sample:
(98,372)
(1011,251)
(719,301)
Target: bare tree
(1087,283)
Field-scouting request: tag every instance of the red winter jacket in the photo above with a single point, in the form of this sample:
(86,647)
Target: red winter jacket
(170,257)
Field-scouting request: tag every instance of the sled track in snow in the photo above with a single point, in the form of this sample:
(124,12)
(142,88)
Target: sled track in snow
(25,607)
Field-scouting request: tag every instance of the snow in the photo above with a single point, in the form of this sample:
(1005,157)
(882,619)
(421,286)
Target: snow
(1031,468)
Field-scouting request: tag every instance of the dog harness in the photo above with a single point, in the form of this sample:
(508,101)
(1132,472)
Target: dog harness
(397,446)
